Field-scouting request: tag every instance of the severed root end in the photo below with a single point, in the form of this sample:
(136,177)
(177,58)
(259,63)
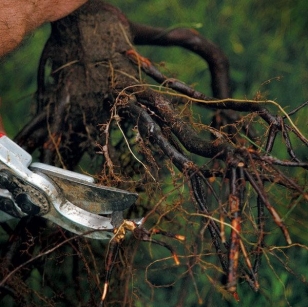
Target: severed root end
(180,237)
(168,234)
(105,289)
(176,259)
(236,297)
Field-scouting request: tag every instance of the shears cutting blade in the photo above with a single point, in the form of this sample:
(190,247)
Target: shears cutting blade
(71,200)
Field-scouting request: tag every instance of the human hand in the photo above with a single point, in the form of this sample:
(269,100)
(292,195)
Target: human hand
(19,17)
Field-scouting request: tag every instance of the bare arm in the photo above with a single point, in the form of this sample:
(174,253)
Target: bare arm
(19,17)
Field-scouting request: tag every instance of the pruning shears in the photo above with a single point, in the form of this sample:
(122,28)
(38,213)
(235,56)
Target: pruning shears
(71,200)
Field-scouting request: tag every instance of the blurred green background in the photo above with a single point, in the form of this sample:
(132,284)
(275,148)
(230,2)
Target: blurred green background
(267,45)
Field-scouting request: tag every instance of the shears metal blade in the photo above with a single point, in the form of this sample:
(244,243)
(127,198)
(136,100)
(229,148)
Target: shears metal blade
(71,200)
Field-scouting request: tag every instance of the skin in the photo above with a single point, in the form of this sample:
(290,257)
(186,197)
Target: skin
(20,17)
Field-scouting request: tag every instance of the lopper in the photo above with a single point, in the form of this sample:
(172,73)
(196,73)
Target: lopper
(69,199)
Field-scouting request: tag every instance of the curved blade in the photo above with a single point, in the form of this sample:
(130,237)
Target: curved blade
(79,221)
(80,191)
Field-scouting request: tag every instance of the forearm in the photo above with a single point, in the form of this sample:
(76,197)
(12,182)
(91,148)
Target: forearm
(19,17)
